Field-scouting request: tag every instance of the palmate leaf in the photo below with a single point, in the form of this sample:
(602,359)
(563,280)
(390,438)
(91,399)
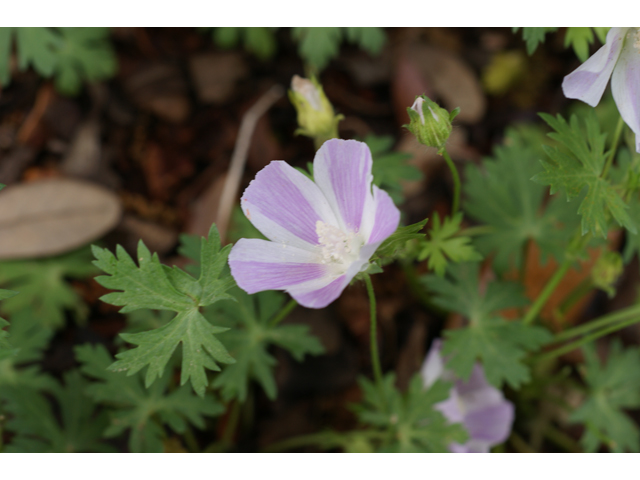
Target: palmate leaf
(260,41)
(44,288)
(578,165)
(38,431)
(399,242)
(137,409)
(414,425)
(155,286)
(499,344)
(613,387)
(533,36)
(318,45)
(444,246)
(28,339)
(580,38)
(632,244)
(6,350)
(250,338)
(72,54)
(504,197)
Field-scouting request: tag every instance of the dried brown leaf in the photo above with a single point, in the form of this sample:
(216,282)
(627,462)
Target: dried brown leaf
(53,216)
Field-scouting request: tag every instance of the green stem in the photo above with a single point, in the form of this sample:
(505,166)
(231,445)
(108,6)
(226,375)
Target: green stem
(417,289)
(475,231)
(190,440)
(456,182)
(375,356)
(614,147)
(597,324)
(562,439)
(282,314)
(232,423)
(575,296)
(322,440)
(584,340)
(519,444)
(551,285)
(577,245)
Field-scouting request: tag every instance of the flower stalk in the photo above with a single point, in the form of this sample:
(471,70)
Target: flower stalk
(375,356)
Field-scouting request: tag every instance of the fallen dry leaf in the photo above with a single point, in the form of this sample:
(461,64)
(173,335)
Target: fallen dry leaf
(53,216)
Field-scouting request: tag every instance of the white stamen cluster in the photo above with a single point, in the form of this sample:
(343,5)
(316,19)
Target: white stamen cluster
(337,247)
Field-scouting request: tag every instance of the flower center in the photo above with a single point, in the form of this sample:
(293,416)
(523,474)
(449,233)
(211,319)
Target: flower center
(337,247)
(636,39)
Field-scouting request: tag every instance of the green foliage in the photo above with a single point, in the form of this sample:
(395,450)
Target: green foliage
(72,54)
(401,242)
(579,164)
(504,197)
(251,336)
(259,41)
(142,411)
(533,36)
(156,286)
(613,387)
(444,246)
(499,344)
(390,168)
(632,245)
(241,227)
(580,38)
(412,423)
(319,45)
(43,288)
(29,339)
(35,425)
(5,347)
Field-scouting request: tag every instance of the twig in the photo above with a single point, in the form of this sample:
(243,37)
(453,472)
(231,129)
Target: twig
(239,157)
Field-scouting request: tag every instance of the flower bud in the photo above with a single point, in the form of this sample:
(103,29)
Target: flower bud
(316,117)
(430,123)
(606,271)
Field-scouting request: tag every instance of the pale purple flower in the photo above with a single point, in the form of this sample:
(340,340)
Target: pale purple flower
(322,233)
(618,59)
(475,403)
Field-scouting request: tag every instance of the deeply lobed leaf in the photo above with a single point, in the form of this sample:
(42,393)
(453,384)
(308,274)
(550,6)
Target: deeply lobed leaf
(579,164)
(613,387)
(152,285)
(140,410)
(499,344)
(250,339)
(412,422)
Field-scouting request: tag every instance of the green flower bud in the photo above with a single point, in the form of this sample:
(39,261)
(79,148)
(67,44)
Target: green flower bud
(430,123)
(606,271)
(316,117)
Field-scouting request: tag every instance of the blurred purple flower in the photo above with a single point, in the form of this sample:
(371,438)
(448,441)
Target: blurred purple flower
(322,233)
(618,59)
(478,405)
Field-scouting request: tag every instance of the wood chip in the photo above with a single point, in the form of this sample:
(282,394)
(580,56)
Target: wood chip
(53,216)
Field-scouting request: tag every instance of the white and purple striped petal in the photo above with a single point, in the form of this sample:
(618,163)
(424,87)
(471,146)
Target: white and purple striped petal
(625,84)
(342,171)
(478,405)
(588,81)
(259,265)
(285,205)
(322,233)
